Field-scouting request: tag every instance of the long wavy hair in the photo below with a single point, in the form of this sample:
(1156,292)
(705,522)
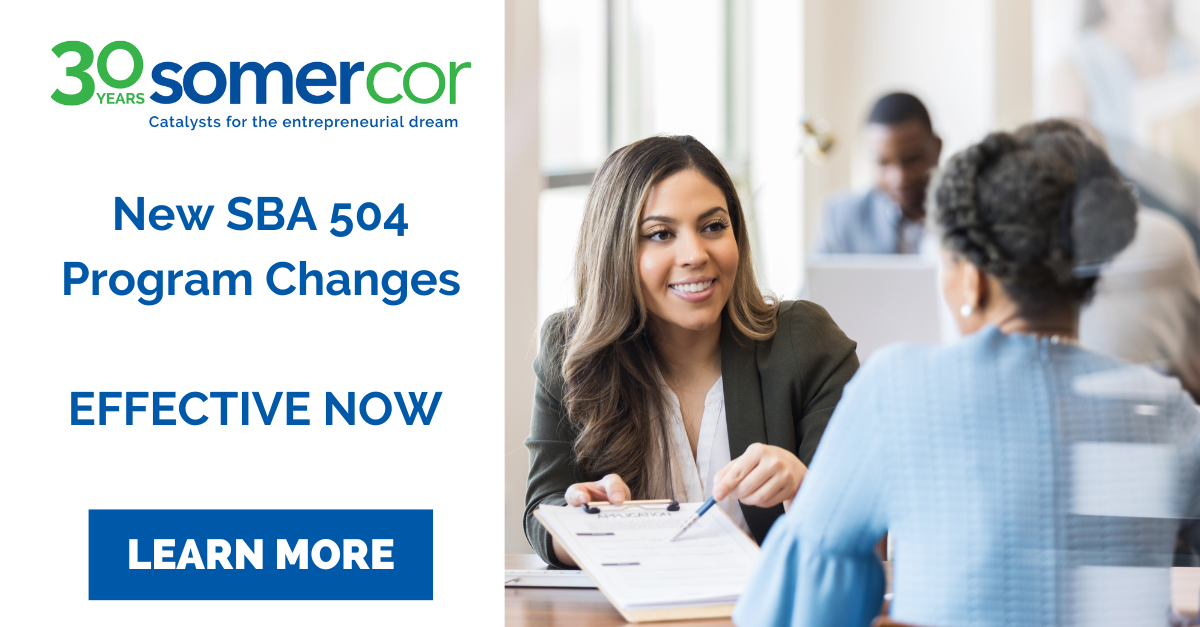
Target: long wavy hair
(613,394)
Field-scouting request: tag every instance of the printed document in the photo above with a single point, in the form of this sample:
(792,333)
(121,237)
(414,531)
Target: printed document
(627,552)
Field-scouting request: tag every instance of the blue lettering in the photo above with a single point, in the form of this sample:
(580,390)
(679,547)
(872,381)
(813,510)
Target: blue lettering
(236,70)
(348,70)
(331,404)
(418,407)
(401,291)
(276,214)
(160,407)
(76,408)
(183,408)
(138,220)
(422,282)
(244,215)
(158,215)
(105,408)
(195,216)
(267,416)
(293,407)
(387,409)
(447,282)
(68,280)
(271,278)
(130,407)
(160,79)
(302,214)
(224,397)
(303,82)
(189,82)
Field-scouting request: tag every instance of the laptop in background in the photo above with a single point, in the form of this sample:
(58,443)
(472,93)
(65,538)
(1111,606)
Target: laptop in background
(881,299)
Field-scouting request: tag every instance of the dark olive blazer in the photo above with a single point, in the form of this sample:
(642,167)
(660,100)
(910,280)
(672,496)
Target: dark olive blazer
(780,391)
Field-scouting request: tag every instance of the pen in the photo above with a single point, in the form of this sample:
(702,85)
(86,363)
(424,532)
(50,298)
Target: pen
(694,517)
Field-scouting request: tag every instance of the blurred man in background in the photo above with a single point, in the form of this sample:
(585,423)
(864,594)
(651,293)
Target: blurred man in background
(890,217)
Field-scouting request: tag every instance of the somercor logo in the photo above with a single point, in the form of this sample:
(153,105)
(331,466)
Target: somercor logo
(312,75)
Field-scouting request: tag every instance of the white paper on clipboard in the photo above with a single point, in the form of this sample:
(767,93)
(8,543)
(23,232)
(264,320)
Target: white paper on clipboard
(628,555)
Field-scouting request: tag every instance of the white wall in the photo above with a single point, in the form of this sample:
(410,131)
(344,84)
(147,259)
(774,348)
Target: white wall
(522,183)
(968,60)
(941,50)
(776,88)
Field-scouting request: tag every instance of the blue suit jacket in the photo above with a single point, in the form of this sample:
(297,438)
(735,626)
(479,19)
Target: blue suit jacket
(860,223)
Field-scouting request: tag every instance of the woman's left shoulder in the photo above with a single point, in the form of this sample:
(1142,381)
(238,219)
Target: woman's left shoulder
(807,323)
(806,337)
(802,310)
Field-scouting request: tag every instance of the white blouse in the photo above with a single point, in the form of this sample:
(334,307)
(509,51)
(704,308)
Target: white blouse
(694,478)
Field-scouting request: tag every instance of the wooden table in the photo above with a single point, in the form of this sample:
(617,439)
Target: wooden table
(586,607)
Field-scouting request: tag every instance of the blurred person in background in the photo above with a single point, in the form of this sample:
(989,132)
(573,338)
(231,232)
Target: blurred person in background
(890,217)
(1123,43)
(1147,305)
(1125,48)
(1026,480)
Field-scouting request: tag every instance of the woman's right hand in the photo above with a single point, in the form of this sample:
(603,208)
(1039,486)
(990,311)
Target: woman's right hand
(611,488)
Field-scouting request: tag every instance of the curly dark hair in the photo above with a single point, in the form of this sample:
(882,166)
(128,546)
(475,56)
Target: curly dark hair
(1040,209)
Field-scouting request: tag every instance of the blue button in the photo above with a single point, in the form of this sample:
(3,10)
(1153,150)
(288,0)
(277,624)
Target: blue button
(267,555)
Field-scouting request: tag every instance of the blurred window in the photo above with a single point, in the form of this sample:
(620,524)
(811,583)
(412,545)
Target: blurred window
(574,97)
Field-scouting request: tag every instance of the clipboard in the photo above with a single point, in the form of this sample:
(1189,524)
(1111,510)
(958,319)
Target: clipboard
(633,615)
(595,507)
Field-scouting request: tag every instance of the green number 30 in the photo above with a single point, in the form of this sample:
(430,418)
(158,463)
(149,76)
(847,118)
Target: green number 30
(87,86)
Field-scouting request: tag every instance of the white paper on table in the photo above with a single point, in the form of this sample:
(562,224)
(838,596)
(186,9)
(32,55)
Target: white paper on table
(628,554)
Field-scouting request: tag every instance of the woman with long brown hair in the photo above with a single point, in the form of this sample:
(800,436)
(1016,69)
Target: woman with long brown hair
(673,376)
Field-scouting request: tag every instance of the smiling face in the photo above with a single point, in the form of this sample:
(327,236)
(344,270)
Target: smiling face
(905,155)
(687,252)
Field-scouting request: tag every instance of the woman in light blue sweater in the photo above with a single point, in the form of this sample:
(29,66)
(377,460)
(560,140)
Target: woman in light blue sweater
(1026,481)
